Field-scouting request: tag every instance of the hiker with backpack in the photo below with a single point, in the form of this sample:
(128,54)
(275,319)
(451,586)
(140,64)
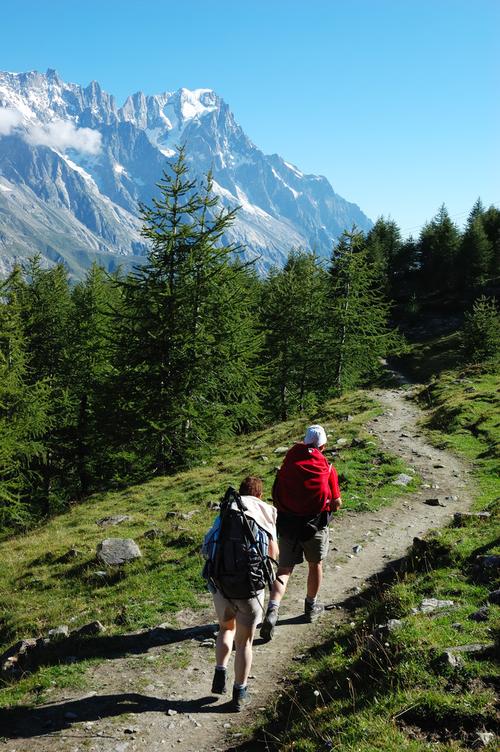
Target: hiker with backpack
(306,493)
(239,550)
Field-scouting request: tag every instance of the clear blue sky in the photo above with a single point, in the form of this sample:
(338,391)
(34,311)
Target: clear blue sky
(395,101)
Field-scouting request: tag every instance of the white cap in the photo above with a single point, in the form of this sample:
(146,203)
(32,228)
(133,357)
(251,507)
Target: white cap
(315,435)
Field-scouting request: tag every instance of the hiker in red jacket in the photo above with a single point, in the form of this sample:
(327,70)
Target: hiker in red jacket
(306,493)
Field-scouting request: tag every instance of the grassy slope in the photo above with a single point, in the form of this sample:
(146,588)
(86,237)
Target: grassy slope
(38,592)
(400,696)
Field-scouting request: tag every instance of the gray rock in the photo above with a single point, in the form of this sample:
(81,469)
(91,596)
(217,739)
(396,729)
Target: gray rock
(433,503)
(402,480)
(485,737)
(475,648)
(153,533)
(208,643)
(281,450)
(264,458)
(357,548)
(73,553)
(461,518)
(58,633)
(489,563)
(342,442)
(113,520)
(88,630)
(393,624)
(451,659)
(213,505)
(429,605)
(494,597)
(115,551)
(188,515)
(482,614)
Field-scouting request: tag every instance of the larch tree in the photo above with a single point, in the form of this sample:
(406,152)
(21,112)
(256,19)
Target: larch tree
(185,334)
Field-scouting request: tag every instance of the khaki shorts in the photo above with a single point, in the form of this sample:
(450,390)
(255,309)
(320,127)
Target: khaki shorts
(246,611)
(293,551)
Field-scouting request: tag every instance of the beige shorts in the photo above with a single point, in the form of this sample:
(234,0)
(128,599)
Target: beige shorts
(246,611)
(293,551)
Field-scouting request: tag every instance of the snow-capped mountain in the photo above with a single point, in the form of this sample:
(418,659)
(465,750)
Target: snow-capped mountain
(74,167)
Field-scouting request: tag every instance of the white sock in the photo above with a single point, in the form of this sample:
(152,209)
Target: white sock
(239,686)
(220,668)
(273,604)
(310,601)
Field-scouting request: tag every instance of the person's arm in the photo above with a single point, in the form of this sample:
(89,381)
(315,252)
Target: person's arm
(333,481)
(274,551)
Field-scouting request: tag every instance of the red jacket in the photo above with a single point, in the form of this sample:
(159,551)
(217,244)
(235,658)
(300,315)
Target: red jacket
(306,482)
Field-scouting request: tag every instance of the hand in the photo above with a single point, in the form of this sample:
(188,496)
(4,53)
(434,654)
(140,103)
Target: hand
(336,504)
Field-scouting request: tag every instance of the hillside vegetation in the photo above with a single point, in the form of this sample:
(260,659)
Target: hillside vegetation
(399,686)
(42,588)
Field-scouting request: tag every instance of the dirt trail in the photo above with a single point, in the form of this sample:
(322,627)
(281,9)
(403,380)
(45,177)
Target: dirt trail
(137,706)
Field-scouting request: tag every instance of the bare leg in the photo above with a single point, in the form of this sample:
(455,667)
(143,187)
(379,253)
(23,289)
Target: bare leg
(243,656)
(224,643)
(314,579)
(278,589)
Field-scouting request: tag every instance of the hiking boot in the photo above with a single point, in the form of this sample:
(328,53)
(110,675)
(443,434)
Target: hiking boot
(313,611)
(219,682)
(268,624)
(240,698)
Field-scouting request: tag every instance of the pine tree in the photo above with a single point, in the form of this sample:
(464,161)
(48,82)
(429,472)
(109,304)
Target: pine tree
(439,247)
(491,224)
(186,341)
(359,312)
(91,379)
(481,331)
(293,314)
(45,305)
(23,416)
(476,253)
(383,245)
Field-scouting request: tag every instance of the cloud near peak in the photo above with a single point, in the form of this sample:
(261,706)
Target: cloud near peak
(58,134)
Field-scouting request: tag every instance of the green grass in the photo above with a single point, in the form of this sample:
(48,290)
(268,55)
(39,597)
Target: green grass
(426,359)
(38,591)
(364,690)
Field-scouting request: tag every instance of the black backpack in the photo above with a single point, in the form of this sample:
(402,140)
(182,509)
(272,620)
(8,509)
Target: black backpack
(238,563)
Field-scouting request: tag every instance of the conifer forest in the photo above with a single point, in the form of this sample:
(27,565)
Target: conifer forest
(120,377)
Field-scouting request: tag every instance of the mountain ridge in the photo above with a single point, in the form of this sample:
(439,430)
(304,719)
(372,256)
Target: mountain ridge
(72,149)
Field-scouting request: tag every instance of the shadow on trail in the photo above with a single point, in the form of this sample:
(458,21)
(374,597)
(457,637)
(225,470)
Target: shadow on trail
(111,647)
(26,722)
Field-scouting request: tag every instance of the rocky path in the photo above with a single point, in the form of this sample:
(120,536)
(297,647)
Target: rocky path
(158,698)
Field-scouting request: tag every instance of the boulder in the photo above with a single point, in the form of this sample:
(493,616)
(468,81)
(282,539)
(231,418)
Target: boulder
(116,551)
(113,520)
(342,442)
